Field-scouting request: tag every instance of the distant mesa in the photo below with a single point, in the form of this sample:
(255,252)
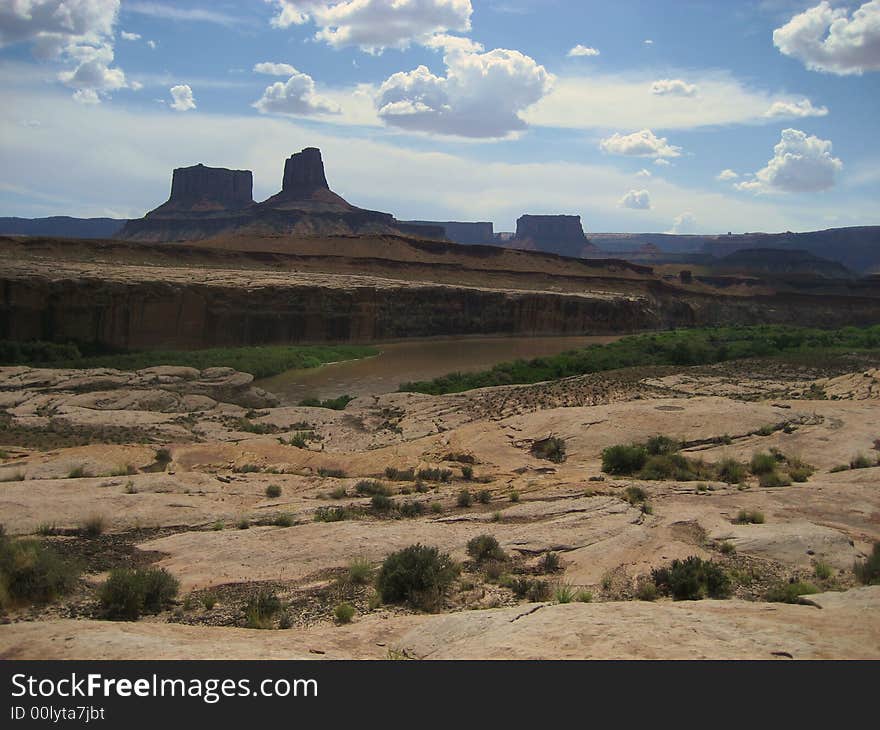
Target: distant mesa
(200,188)
(561,234)
(212,201)
(481,233)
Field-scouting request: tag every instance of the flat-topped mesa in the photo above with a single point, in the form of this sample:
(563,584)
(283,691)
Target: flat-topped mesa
(201,188)
(562,234)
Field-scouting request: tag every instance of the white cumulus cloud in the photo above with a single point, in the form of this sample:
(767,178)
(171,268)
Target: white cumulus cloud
(374,25)
(726,175)
(636,199)
(182,96)
(580,50)
(643,173)
(296,96)
(481,95)
(639,144)
(801,164)
(126,36)
(673,87)
(797,108)
(828,39)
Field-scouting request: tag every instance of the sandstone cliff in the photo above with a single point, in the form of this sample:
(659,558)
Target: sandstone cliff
(562,234)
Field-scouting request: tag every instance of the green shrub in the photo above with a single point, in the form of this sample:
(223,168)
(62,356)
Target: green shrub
(646,591)
(563,593)
(344,613)
(749,517)
(790,592)
(324,471)
(381,503)
(623,460)
(400,475)
(283,520)
(338,493)
(300,439)
(514,496)
(467,473)
(485,547)
(464,499)
(371,488)
(484,496)
(243,524)
(551,448)
(209,600)
(92,526)
(331,514)
(731,471)
(727,548)
(762,463)
(773,479)
(634,495)
(860,461)
(77,472)
(662,445)
(360,571)
(412,509)
(163,456)
(419,574)
(692,579)
(800,473)
(273,491)
(261,610)
(127,593)
(583,597)
(436,507)
(335,404)
(549,563)
(822,570)
(868,571)
(838,468)
(434,475)
(31,572)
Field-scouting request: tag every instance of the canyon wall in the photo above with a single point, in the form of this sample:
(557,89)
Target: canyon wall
(159,314)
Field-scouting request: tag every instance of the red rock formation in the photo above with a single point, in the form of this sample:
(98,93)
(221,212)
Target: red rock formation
(562,234)
(200,188)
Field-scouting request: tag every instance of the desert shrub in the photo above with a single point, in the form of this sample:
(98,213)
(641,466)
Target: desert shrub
(789,592)
(261,610)
(436,507)
(331,514)
(634,495)
(773,479)
(838,468)
(31,572)
(343,613)
(412,509)
(247,469)
(762,463)
(464,498)
(868,571)
(549,563)
(300,439)
(551,448)
(285,621)
(283,520)
(324,471)
(583,597)
(335,404)
(749,517)
(692,579)
(539,590)
(822,570)
(338,493)
(514,496)
(163,456)
(860,461)
(209,600)
(77,472)
(646,591)
(360,571)
(243,524)
(766,430)
(127,593)
(484,496)
(800,472)
(273,491)
(381,503)
(419,574)
(92,526)
(369,487)
(662,445)
(434,474)
(485,547)
(400,475)
(421,487)
(563,593)
(623,460)
(727,548)
(467,473)
(731,471)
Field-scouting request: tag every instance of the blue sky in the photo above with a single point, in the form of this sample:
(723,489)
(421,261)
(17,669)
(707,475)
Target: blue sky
(689,116)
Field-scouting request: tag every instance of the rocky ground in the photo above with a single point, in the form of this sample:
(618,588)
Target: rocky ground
(174,465)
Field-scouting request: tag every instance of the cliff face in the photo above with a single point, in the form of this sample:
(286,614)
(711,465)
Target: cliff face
(304,173)
(466,233)
(152,314)
(562,234)
(201,188)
